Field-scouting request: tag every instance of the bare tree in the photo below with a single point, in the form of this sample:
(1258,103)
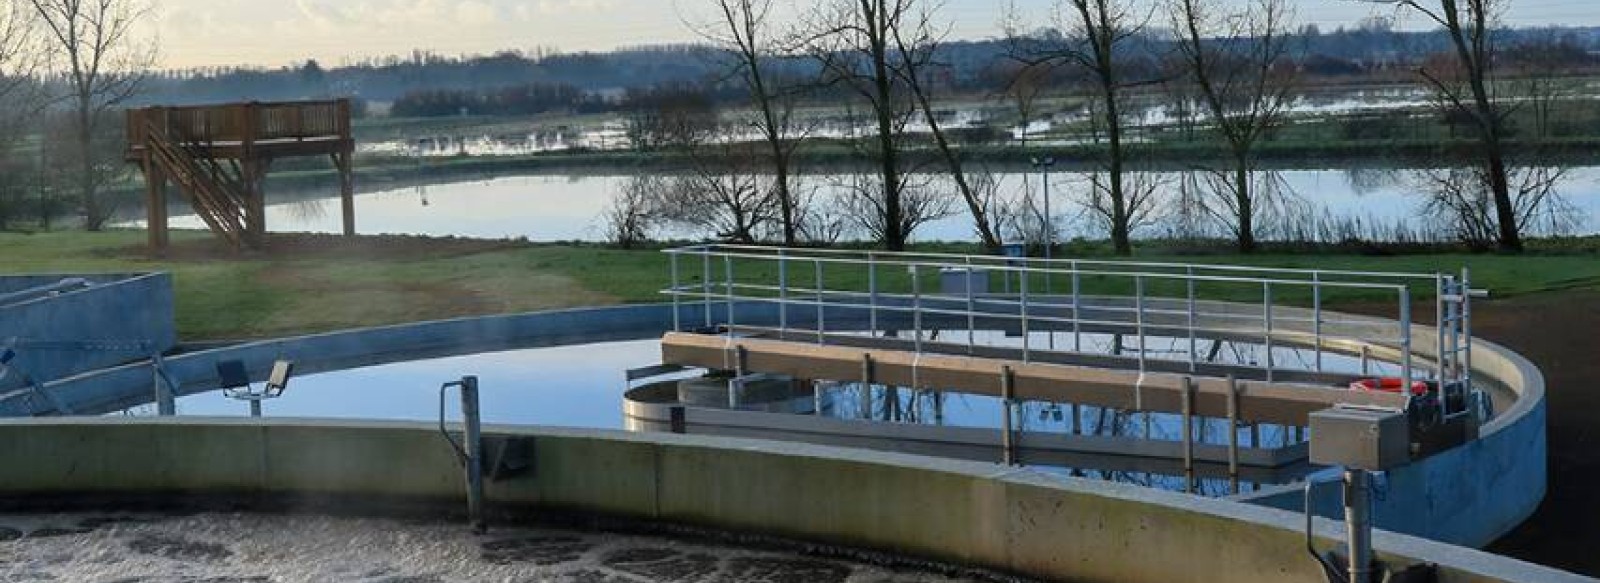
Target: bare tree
(669,116)
(104,62)
(1466,90)
(1459,201)
(1095,37)
(1024,85)
(744,31)
(917,42)
(1239,64)
(854,42)
(21,55)
(921,202)
(724,194)
(1543,68)
(631,217)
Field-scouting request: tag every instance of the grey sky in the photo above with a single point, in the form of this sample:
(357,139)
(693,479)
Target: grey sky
(275,32)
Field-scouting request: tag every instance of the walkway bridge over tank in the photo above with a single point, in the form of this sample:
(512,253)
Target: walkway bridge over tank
(1238,344)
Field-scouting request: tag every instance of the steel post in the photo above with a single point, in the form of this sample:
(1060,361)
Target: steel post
(474,451)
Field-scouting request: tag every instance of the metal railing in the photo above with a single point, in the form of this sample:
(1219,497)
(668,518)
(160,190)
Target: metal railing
(1146,299)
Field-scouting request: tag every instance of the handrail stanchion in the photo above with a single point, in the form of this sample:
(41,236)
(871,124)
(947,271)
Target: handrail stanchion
(1406,372)
(916,309)
(727,263)
(822,317)
(972,310)
(1316,315)
(705,284)
(1466,331)
(1077,309)
(1194,347)
(1439,324)
(677,320)
(872,292)
(1027,344)
(1138,298)
(783,293)
(1266,325)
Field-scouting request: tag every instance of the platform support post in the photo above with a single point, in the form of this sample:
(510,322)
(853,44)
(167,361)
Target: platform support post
(345,161)
(155,204)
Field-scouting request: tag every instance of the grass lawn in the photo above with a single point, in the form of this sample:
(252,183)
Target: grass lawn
(305,284)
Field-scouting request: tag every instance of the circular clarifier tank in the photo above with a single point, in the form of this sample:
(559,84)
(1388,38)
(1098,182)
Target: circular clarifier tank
(259,548)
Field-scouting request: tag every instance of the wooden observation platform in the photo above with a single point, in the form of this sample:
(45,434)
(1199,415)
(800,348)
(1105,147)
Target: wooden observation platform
(219,156)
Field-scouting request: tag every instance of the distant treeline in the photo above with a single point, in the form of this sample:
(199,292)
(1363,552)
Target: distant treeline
(511,80)
(531,99)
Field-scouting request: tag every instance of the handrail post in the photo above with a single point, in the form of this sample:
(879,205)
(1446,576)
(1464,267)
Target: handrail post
(872,292)
(677,323)
(1194,344)
(705,283)
(1439,322)
(727,263)
(1266,319)
(783,293)
(916,308)
(1027,343)
(1316,315)
(1138,298)
(1406,372)
(1466,330)
(972,310)
(822,317)
(1077,310)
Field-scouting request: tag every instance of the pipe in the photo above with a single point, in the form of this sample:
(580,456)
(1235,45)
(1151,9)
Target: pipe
(1358,525)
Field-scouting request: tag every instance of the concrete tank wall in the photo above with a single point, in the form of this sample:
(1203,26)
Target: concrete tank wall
(965,513)
(1469,495)
(116,310)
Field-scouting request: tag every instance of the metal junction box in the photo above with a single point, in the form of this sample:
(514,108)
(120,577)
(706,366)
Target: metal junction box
(1360,438)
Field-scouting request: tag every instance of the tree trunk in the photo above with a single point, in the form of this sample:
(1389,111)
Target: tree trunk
(1121,234)
(980,216)
(93,219)
(1247,214)
(894,236)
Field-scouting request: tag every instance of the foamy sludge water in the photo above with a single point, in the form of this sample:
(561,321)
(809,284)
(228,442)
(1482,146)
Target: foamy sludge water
(249,548)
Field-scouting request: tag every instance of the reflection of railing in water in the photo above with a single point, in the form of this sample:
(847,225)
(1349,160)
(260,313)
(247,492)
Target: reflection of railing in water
(1166,299)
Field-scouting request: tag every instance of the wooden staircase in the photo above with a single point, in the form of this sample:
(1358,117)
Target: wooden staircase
(216,196)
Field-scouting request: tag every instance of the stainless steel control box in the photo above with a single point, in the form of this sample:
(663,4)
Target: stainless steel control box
(1360,438)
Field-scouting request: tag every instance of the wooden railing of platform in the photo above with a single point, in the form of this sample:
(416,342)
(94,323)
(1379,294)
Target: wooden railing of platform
(219,156)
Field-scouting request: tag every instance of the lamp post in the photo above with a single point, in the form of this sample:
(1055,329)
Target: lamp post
(1043,165)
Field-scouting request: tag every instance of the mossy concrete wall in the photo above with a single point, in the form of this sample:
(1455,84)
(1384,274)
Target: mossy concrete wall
(959,512)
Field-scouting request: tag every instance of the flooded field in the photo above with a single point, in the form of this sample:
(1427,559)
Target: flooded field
(547,208)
